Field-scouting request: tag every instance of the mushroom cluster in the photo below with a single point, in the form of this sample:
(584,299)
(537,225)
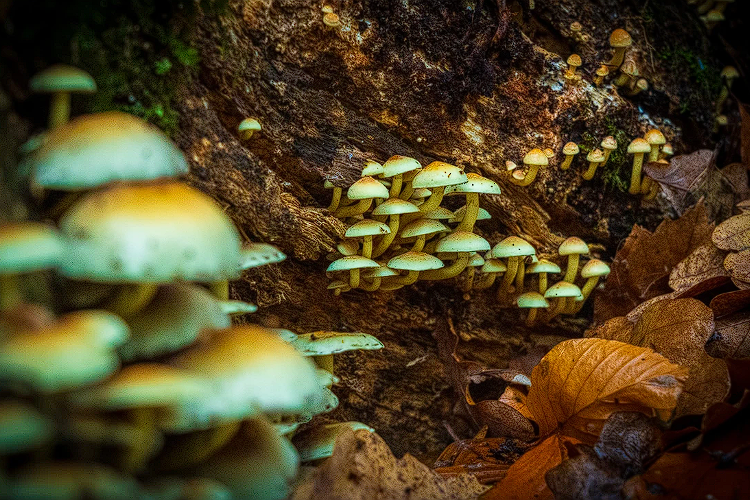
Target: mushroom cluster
(132,381)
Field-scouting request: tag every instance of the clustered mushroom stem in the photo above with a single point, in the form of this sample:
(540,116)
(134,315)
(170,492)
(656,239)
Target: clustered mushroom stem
(654,154)
(530,176)
(358,208)
(531,318)
(469,282)
(617,57)
(367,247)
(542,283)
(419,243)
(396,184)
(588,287)
(589,174)
(384,243)
(557,308)
(510,275)
(59,112)
(635,175)
(131,298)
(10,292)
(354,278)
(570,305)
(570,273)
(325,362)
(432,203)
(371,286)
(485,281)
(136,456)
(406,280)
(646,185)
(520,274)
(565,165)
(220,289)
(449,271)
(471,213)
(335,200)
(652,192)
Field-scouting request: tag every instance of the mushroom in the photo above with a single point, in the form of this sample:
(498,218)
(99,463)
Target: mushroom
(395,167)
(601,73)
(331,19)
(322,345)
(421,229)
(462,242)
(475,260)
(569,150)
(637,147)
(543,267)
(436,176)
(248,127)
(61,80)
(712,18)
(364,191)
(639,86)
(475,185)
(393,208)
(534,159)
(655,139)
(532,301)
(592,271)
(608,144)
(366,229)
(372,169)
(628,73)
(490,269)
(514,249)
(728,75)
(564,293)
(574,62)
(335,197)
(459,214)
(666,150)
(414,263)
(595,158)
(317,442)
(573,248)
(353,264)
(619,40)
(373,277)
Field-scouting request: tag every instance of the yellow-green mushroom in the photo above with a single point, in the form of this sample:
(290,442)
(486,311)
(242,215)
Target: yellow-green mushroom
(608,144)
(392,208)
(395,168)
(367,229)
(61,81)
(569,150)
(543,267)
(248,127)
(534,159)
(490,270)
(472,188)
(594,270)
(595,158)
(414,263)
(322,345)
(514,249)
(564,294)
(462,242)
(364,191)
(532,301)
(353,264)
(638,148)
(436,176)
(573,248)
(619,40)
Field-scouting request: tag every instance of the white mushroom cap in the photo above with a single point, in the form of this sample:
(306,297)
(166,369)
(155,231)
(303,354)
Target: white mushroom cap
(638,145)
(422,226)
(393,206)
(536,157)
(573,245)
(415,261)
(350,262)
(62,78)
(399,165)
(438,174)
(475,184)
(462,241)
(531,300)
(594,268)
(372,168)
(365,188)
(512,246)
(367,227)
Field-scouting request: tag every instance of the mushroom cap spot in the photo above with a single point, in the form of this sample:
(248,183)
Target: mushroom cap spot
(22,427)
(367,227)
(439,213)
(729,72)
(574,60)
(531,300)
(462,241)
(571,148)
(399,165)
(459,214)
(380,272)
(156,232)
(638,145)
(543,266)
(536,157)
(415,261)
(620,38)
(475,260)
(347,247)
(395,206)
(318,442)
(562,289)
(365,188)
(573,245)
(249,124)
(655,137)
(421,193)
(372,168)
(512,246)
(91,150)
(29,246)
(594,267)
(323,342)
(62,78)
(603,70)
(259,254)
(494,266)
(351,262)
(423,226)
(439,174)
(595,155)
(609,142)
(475,184)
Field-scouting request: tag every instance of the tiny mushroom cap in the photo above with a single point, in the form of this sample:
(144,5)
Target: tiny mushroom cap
(322,343)
(350,262)
(395,206)
(509,165)
(415,261)
(638,145)
(421,193)
(574,60)
(367,227)
(594,268)
(422,227)
(331,19)
(372,168)
(494,266)
(247,127)
(573,245)
(29,246)
(571,148)
(259,254)
(95,149)
(439,213)
(609,142)
(549,153)
(620,38)
(347,247)
(654,136)
(155,233)
(458,215)
(317,442)
(462,241)
(399,165)
(439,174)
(512,246)
(367,187)
(531,300)
(475,260)
(536,157)
(62,78)
(575,26)
(595,156)
(562,289)
(714,16)
(475,184)
(519,175)
(629,67)
(602,71)
(667,149)
(729,73)
(22,427)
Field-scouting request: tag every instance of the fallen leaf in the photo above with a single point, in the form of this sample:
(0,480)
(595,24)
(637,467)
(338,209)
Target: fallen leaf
(487,459)
(733,233)
(732,337)
(504,420)
(362,467)
(736,175)
(684,172)
(738,265)
(641,269)
(619,328)
(730,302)
(702,269)
(580,382)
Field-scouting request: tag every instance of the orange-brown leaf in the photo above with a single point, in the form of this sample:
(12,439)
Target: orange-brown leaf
(738,265)
(733,233)
(706,263)
(580,382)
(732,337)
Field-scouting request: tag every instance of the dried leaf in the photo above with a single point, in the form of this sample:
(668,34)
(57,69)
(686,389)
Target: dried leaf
(504,420)
(363,468)
(732,337)
(736,175)
(684,172)
(487,459)
(640,270)
(733,233)
(738,265)
(619,328)
(730,302)
(580,382)
(704,264)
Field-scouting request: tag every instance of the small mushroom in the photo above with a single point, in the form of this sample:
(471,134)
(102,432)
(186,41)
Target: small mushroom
(574,62)
(364,191)
(367,229)
(353,264)
(563,292)
(573,248)
(608,144)
(414,263)
(331,19)
(543,267)
(639,86)
(474,185)
(490,270)
(395,168)
(594,270)
(569,150)
(248,127)
(534,159)
(619,40)
(61,81)
(317,442)
(595,158)
(421,229)
(393,208)
(462,242)
(655,139)
(638,148)
(437,176)
(601,73)
(532,301)
(514,249)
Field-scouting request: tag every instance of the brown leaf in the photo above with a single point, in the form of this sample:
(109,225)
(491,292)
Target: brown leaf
(580,382)
(730,302)
(678,329)
(705,263)
(736,175)
(619,328)
(738,265)
(487,459)
(363,468)
(640,270)
(504,420)
(732,337)
(684,172)
(733,233)
(525,478)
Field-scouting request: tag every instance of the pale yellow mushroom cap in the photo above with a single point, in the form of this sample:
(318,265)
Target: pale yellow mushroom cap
(729,72)
(638,145)
(350,262)
(655,137)
(603,70)
(532,300)
(573,245)
(620,38)
(512,246)
(593,268)
(62,78)
(367,227)
(571,148)
(462,241)
(574,60)
(423,226)
(372,168)
(494,266)
(438,174)
(536,157)
(543,266)
(475,184)
(400,165)
(395,206)
(609,142)
(367,187)
(595,155)
(439,213)
(415,261)
(249,124)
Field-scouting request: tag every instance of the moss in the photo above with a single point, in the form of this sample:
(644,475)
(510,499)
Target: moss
(615,174)
(705,80)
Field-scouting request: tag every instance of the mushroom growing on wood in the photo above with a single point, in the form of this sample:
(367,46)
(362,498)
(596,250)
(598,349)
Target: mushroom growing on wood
(608,144)
(366,229)
(565,294)
(353,264)
(61,80)
(655,139)
(543,267)
(436,176)
(534,159)
(364,191)
(462,242)
(574,62)
(532,301)
(475,185)
(248,127)
(393,208)
(595,158)
(573,248)
(619,40)
(414,263)
(514,249)
(592,271)
(322,345)
(569,150)
(395,168)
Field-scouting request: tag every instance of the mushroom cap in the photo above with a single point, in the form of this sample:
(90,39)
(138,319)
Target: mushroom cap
(575,26)
(641,84)
(629,68)
(475,260)
(459,214)
(420,193)
(543,266)
(395,206)
(667,149)
(29,246)
(620,38)
(730,72)
(475,184)
(519,174)
(68,480)
(439,174)
(638,145)
(367,227)
(512,246)
(574,60)
(531,300)
(172,320)
(536,157)
(156,232)
(714,16)
(423,226)
(595,155)
(379,272)
(548,152)
(62,78)
(249,124)
(609,142)
(438,214)
(339,285)
(571,148)
(259,254)
(494,266)
(95,149)
(415,261)
(323,343)
(654,137)
(398,164)
(509,165)
(22,427)
(371,168)
(347,247)
(573,245)
(593,268)
(317,442)
(350,262)
(603,70)
(562,289)
(462,241)
(367,187)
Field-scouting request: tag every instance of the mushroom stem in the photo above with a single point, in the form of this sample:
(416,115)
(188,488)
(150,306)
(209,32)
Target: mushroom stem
(486,280)
(449,271)
(520,274)
(528,178)
(384,243)
(468,284)
(220,289)
(135,457)
(419,243)
(654,154)
(59,111)
(336,199)
(410,278)
(432,203)
(653,191)
(471,213)
(646,185)
(367,247)
(570,273)
(510,274)
(354,278)
(589,174)
(588,287)
(10,292)
(356,209)
(325,362)
(557,308)
(617,57)
(570,305)
(635,175)
(531,318)
(542,283)
(396,184)
(565,165)
(131,298)
(372,285)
